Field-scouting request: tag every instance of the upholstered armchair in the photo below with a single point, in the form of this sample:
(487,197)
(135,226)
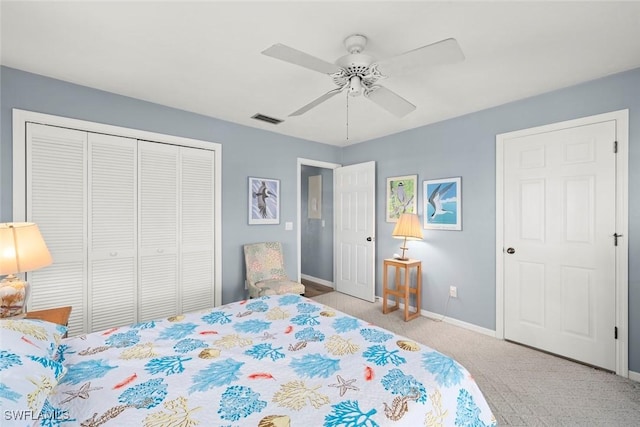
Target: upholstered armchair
(265,271)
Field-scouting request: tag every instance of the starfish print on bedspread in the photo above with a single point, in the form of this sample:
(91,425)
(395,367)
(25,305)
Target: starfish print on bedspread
(268,336)
(344,385)
(82,392)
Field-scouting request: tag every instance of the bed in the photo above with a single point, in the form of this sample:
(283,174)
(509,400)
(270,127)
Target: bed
(272,361)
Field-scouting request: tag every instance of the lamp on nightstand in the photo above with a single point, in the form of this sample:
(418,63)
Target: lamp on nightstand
(22,249)
(408,228)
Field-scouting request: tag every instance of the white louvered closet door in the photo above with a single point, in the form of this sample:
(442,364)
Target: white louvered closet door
(196,237)
(158,230)
(129,223)
(57,202)
(112,256)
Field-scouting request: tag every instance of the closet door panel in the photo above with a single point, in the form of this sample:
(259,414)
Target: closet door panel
(158,230)
(158,287)
(56,201)
(197,289)
(196,244)
(112,231)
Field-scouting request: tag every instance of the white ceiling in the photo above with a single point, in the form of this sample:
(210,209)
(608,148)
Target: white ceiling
(205,56)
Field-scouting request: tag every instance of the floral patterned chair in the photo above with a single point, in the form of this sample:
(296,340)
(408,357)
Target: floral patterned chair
(265,271)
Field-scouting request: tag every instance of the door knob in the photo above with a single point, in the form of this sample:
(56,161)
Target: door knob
(511,251)
(369,239)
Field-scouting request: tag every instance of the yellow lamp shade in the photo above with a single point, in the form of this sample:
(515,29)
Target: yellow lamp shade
(22,248)
(408,227)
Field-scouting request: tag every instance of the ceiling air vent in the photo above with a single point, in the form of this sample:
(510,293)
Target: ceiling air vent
(267,119)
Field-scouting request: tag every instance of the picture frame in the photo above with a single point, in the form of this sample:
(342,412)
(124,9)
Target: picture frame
(314,195)
(402,196)
(264,201)
(443,204)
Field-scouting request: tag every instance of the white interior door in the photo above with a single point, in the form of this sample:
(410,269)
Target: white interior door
(354,252)
(112,246)
(197,255)
(560,259)
(56,200)
(158,236)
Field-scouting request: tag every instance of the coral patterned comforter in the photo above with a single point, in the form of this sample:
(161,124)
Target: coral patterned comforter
(272,361)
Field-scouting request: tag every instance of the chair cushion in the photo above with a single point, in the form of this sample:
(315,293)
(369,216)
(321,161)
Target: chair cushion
(280,286)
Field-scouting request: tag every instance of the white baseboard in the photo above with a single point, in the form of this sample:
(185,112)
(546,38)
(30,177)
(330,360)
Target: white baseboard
(459,323)
(318,280)
(456,322)
(635,376)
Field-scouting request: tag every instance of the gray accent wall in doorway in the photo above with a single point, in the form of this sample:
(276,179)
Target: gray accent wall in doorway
(316,247)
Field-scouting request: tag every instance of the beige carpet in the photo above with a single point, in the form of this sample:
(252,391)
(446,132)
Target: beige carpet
(524,387)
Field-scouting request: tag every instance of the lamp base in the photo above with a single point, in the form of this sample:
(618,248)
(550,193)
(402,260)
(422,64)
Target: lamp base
(404,248)
(14,294)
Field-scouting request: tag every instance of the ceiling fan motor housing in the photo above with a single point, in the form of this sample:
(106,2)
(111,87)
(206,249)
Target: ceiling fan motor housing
(355,63)
(356,71)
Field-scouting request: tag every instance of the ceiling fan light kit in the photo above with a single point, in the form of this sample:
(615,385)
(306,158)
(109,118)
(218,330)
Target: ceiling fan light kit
(358,72)
(355,86)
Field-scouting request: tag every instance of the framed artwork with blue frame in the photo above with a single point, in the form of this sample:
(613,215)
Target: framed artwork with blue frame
(264,201)
(443,204)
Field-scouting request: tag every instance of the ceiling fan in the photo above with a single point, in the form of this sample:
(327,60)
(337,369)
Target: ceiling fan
(359,73)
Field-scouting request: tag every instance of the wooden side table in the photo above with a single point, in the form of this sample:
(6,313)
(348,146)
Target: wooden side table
(59,315)
(402,288)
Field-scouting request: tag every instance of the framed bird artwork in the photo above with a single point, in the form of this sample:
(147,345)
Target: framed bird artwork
(443,204)
(264,201)
(402,196)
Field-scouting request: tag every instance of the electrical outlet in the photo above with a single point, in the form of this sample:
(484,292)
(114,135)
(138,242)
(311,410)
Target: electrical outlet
(453,292)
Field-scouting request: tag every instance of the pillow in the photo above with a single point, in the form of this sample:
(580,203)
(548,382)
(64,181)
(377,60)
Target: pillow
(25,383)
(31,336)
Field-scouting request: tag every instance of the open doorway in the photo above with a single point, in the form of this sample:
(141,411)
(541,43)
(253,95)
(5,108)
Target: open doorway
(316,224)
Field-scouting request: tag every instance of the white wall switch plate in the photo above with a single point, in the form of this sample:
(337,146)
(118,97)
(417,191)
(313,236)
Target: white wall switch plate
(288,226)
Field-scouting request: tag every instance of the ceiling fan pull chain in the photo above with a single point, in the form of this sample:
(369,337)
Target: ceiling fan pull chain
(347,116)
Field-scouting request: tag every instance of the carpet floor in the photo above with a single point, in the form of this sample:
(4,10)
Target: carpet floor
(523,387)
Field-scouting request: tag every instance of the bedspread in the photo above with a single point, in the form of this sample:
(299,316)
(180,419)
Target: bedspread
(272,361)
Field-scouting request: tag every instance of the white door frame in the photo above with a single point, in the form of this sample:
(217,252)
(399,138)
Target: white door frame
(622,224)
(318,164)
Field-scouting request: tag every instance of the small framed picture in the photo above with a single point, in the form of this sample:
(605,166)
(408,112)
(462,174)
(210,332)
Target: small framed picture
(264,201)
(314,195)
(443,204)
(402,196)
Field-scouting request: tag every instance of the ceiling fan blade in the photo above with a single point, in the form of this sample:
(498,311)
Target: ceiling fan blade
(446,51)
(316,102)
(294,56)
(390,101)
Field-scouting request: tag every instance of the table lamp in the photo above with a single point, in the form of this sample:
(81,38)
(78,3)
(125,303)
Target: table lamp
(408,228)
(22,249)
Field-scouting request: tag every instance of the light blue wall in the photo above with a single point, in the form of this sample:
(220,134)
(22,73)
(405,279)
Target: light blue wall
(316,249)
(465,146)
(245,152)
